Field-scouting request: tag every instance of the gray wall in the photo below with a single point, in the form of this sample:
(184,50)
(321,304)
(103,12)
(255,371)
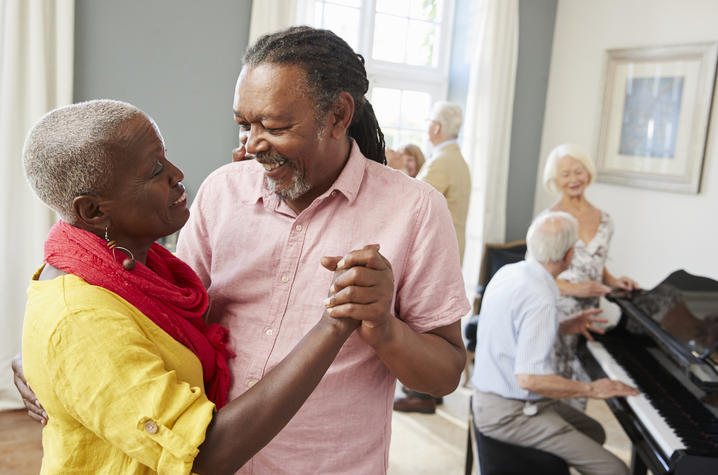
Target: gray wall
(536,25)
(175,59)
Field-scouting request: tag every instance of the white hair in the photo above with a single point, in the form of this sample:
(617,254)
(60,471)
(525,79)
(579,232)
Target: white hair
(566,150)
(449,116)
(551,235)
(68,152)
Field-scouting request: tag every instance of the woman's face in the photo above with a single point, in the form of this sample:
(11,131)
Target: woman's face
(410,164)
(571,177)
(147,200)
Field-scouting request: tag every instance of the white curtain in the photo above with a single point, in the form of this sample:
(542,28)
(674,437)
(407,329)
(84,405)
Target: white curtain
(487,129)
(269,16)
(36,63)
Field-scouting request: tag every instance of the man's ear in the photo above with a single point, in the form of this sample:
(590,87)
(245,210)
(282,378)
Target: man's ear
(567,257)
(435,128)
(90,213)
(342,114)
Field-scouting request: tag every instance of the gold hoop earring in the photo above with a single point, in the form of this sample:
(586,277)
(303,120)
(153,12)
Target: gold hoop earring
(128,263)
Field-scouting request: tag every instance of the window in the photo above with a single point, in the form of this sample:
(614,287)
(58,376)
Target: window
(406,46)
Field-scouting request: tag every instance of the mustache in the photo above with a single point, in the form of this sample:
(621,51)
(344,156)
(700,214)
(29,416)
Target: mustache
(268,157)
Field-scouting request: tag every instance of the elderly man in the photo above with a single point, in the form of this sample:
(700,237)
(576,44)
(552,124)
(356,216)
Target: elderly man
(518,392)
(317,186)
(447,171)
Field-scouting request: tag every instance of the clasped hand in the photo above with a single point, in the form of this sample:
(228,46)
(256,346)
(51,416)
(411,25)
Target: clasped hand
(362,290)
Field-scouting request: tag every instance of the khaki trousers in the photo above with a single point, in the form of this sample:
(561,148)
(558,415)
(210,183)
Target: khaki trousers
(556,427)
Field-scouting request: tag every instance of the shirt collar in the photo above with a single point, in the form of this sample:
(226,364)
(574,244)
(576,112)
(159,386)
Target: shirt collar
(351,176)
(443,145)
(541,272)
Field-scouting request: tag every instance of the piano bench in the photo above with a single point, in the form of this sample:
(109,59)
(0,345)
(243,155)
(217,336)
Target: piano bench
(501,458)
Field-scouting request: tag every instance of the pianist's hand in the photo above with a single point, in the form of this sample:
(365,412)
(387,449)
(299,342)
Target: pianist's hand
(28,397)
(606,388)
(582,322)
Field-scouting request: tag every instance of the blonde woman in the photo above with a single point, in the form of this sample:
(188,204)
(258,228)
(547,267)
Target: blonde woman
(408,158)
(569,170)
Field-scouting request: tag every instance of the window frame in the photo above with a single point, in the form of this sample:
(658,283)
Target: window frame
(429,79)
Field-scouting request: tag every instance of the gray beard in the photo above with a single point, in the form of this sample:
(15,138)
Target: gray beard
(298,187)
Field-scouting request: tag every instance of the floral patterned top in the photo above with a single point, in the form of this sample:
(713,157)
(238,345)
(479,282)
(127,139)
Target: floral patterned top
(588,262)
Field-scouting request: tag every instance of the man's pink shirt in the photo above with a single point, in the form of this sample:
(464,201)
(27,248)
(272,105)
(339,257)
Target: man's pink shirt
(260,263)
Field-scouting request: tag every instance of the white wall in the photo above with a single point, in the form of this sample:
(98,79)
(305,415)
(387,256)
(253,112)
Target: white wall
(656,232)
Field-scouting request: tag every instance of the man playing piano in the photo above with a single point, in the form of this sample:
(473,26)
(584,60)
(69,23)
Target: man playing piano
(518,393)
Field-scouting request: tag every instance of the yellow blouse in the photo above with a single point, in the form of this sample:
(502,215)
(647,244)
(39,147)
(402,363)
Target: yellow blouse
(122,396)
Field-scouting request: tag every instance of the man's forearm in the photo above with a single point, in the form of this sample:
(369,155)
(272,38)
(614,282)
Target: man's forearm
(430,362)
(553,386)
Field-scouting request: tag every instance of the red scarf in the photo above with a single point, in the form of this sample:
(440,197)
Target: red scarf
(166,290)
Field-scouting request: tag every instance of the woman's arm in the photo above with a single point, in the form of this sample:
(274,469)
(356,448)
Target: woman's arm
(625,283)
(248,423)
(587,288)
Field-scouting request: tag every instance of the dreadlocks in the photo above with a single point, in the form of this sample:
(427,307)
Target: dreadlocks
(331,67)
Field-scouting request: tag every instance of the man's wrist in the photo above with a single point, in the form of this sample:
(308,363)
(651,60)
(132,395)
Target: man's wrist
(385,334)
(589,390)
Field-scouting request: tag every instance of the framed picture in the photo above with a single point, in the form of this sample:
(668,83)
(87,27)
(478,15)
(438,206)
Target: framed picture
(654,122)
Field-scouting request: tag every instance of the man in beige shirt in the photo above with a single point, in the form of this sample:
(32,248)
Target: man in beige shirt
(447,171)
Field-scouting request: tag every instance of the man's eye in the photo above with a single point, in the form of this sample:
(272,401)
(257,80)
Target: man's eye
(274,130)
(243,126)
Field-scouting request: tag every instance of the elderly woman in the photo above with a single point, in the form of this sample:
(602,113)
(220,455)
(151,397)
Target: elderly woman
(407,158)
(569,170)
(115,345)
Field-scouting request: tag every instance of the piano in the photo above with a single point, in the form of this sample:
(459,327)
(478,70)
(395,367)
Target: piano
(666,345)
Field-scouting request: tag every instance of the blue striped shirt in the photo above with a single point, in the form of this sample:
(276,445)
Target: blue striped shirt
(518,325)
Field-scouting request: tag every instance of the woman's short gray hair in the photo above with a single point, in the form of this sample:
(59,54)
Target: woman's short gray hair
(449,116)
(67,153)
(563,150)
(551,235)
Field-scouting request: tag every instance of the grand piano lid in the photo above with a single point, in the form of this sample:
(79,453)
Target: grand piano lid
(681,314)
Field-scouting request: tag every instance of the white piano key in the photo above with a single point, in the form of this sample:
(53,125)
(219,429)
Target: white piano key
(656,425)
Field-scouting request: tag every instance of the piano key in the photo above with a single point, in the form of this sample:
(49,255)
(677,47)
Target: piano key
(656,425)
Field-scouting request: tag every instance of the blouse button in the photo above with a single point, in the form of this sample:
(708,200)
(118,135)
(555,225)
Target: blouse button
(151,427)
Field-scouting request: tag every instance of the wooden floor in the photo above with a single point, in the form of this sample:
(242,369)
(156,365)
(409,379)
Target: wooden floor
(20,444)
(421,444)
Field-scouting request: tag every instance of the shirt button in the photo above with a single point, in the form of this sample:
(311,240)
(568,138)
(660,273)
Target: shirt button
(251,383)
(298,227)
(285,278)
(151,427)
(333,193)
(269,332)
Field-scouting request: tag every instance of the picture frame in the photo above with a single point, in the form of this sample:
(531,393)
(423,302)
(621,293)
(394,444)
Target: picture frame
(655,116)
